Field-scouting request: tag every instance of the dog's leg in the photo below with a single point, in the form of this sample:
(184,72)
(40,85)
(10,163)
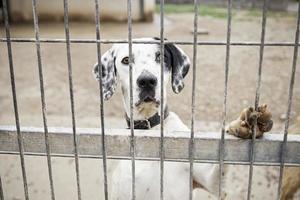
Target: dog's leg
(207,175)
(290,183)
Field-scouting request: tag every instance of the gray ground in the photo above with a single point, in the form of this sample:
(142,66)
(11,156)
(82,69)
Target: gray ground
(210,85)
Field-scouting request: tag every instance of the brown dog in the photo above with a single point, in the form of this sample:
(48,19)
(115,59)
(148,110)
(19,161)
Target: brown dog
(243,126)
(291,176)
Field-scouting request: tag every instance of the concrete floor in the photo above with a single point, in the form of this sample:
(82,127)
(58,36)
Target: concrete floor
(265,179)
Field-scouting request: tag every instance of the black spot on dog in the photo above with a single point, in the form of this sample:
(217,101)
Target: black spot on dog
(103,71)
(176,62)
(157,38)
(157,57)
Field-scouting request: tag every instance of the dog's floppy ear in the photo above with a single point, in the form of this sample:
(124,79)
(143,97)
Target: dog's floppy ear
(109,76)
(179,63)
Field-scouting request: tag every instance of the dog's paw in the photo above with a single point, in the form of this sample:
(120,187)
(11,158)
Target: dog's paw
(239,129)
(264,120)
(243,123)
(246,112)
(251,118)
(243,127)
(244,132)
(265,127)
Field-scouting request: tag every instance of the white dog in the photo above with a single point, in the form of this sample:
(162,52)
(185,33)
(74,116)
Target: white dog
(146,99)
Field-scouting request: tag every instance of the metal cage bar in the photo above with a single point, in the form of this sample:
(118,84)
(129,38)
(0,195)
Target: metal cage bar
(162,53)
(257,94)
(179,160)
(206,145)
(1,190)
(222,141)
(132,138)
(116,41)
(103,139)
(14,95)
(218,158)
(192,140)
(69,61)
(289,107)
(44,109)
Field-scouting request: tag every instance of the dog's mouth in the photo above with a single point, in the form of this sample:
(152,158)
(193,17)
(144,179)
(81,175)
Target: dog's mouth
(148,100)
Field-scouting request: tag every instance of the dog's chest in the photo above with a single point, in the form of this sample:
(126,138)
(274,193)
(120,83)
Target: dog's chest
(147,180)
(172,124)
(147,173)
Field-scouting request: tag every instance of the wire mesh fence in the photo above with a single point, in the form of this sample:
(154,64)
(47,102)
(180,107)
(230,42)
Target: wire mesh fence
(281,151)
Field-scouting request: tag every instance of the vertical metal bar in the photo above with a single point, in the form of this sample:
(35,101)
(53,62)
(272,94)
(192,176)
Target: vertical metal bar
(1,190)
(161,146)
(253,3)
(257,94)
(97,18)
(288,112)
(67,33)
(142,9)
(132,138)
(15,102)
(222,142)
(191,150)
(40,68)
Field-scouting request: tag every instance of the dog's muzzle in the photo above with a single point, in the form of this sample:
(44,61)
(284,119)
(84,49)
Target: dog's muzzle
(147,84)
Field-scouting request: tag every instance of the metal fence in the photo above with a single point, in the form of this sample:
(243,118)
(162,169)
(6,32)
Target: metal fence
(104,143)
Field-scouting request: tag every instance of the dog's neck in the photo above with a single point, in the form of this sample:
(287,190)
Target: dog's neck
(147,122)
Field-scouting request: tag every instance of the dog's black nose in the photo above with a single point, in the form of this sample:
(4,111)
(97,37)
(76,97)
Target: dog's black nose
(147,82)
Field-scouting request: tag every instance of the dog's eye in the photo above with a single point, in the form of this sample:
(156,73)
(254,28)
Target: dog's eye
(157,57)
(125,60)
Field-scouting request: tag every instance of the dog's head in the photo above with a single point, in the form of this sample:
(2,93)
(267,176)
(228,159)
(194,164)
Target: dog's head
(146,74)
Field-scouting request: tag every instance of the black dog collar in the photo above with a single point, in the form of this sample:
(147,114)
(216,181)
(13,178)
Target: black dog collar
(148,123)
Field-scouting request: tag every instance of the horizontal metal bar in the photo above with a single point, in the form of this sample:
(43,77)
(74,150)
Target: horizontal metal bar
(150,159)
(147,144)
(107,41)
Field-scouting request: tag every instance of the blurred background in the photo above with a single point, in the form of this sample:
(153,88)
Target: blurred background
(243,66)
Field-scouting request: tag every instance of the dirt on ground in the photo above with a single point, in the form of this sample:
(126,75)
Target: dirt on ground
(243,69)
